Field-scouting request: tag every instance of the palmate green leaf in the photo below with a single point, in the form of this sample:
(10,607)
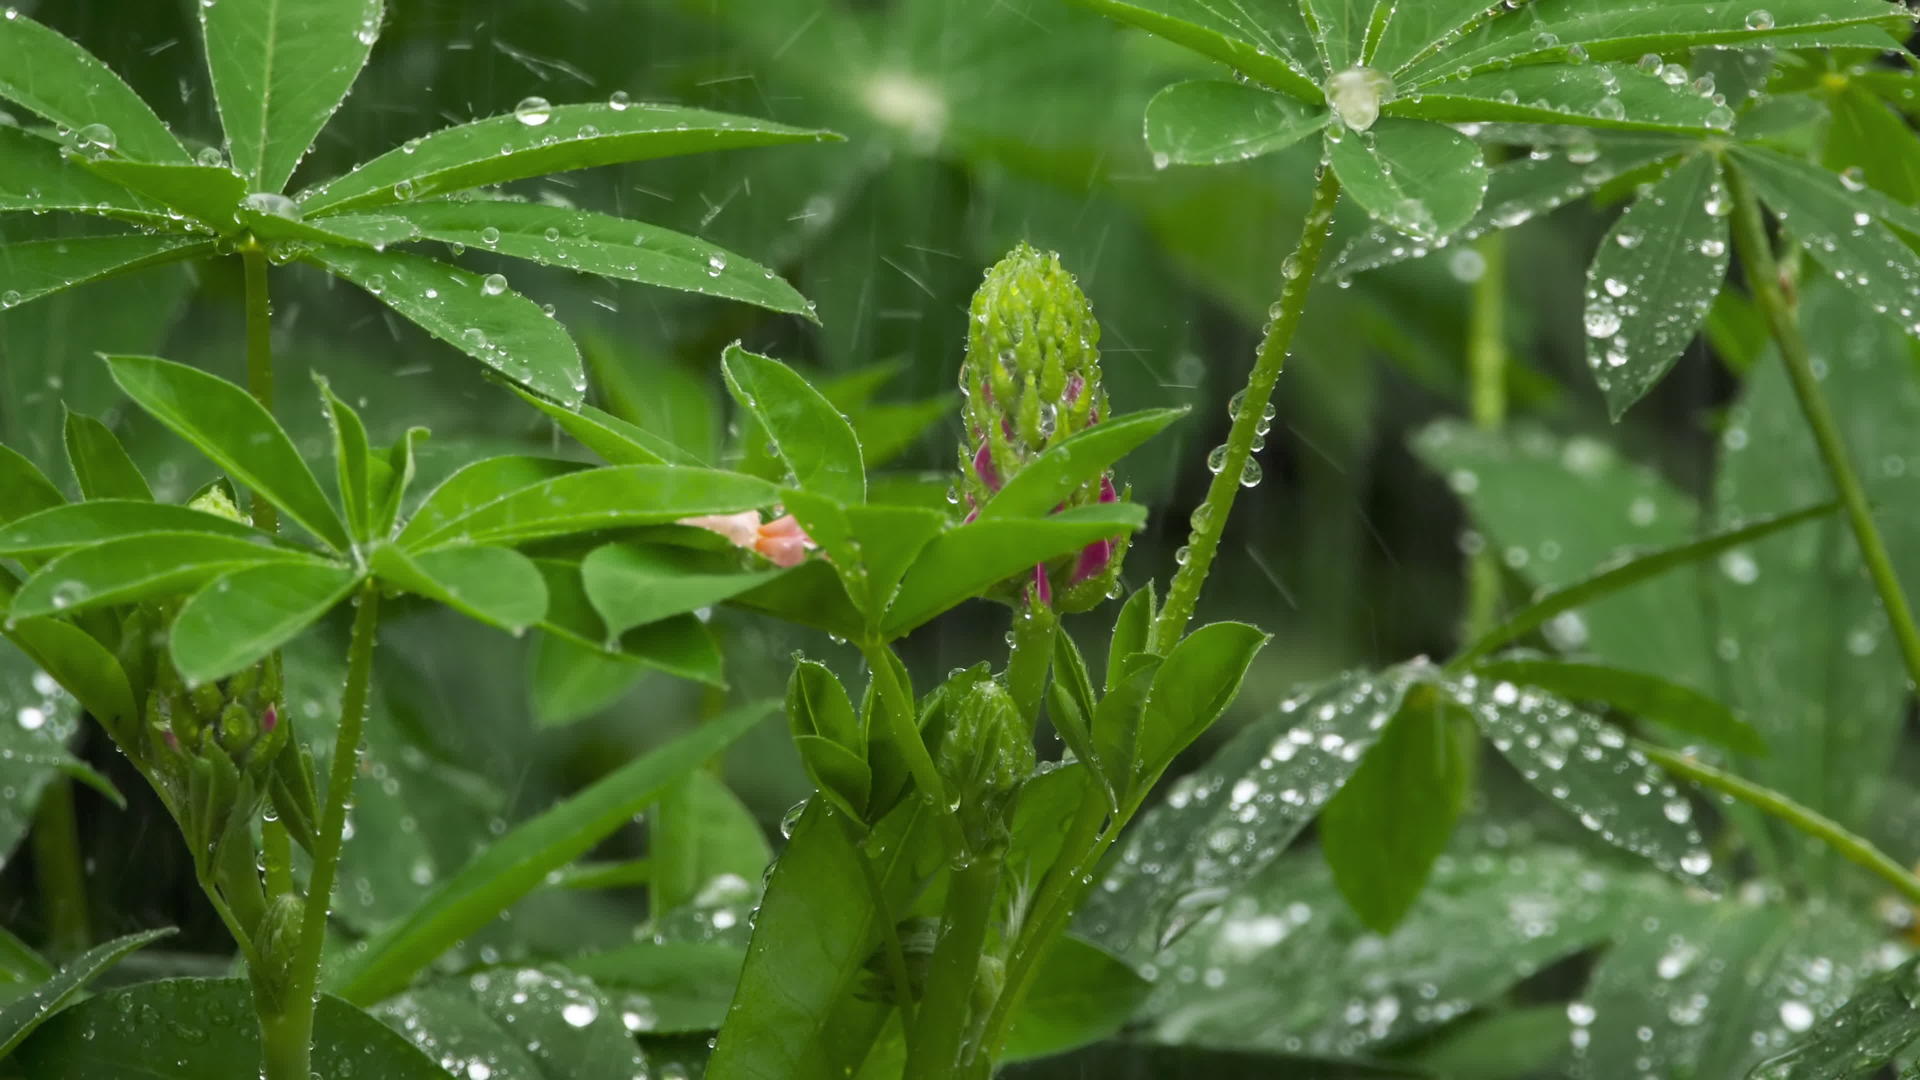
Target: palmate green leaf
(496,585)
(1191,689)
(537,141)
(1868,135)
(615,440)
(191,1029)
(701,834)
(1419,27)
(616,496)
(31,269)
(211,194)
(351,463)
(1627,29)
(43,719)
(1221,825)
(965,562)
(589,242)
(1339,29)
(36,176)
(680,645)
(280,68)
(74,525)
(1040,485)
(1210,122)
(225,423)
(56,78)
(387,492)
(1880,1020)
(1395,814)
(1619,97)
(100,464)
(500,328)
(1079,995)
(270,220)
(672,987)
(477,485)
(517,1024)
(811,594)
(24,489)
(518,862)
(1267,39)
(1587,767)
(1702,988)
(245,614)
(1647,697)
(1654,279)
(76,661)
(870,545)
(570,682)
(632,584)
(810,437)
(1838,231)
(1424,179)
(19,1017)
(141,566)
(1517,192)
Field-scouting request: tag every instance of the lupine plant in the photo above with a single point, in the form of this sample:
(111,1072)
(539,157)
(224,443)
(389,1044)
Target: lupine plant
(1007,861)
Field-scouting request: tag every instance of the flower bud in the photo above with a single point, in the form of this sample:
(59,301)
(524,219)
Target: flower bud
(985,755)
(1031,379)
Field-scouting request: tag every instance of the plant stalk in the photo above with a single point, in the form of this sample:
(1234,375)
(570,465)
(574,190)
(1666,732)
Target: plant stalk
(1763,281)
(1249,419)
(933,1050)
(1487,359)
(259,359)
(58,871)
(1853,848)
(288,1038)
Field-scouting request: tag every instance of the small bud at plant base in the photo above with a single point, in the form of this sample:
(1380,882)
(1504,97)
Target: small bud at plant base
(985,755)
(780,540)
(1032,379)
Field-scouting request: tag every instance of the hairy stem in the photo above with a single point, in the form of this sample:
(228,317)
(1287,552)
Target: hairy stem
(1249,418)
(1763,281)
(1854,849)
(1487,359)
(294,1029)
(934,1045)
(259,358)
(57,868)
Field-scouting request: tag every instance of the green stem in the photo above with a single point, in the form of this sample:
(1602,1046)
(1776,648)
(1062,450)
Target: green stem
(1487,359)
(259,358)
(1855,849)
(1249,418)
(57,869)
(289,1037)
(277,852)
(1763,281)
(933,1049)
(896,956)
(903,728)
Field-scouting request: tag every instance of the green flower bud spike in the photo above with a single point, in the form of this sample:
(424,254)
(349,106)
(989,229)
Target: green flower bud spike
(1031,379)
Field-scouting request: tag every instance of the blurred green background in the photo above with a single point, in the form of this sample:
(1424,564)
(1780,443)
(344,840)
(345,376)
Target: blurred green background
(969,126)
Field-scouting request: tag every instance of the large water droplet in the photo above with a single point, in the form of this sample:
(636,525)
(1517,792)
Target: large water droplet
(533,111)
(1357,94)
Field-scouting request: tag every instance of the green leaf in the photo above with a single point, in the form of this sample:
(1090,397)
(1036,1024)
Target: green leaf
(1079,995)
(1191,689)
(51,75)
(1339,27)
(830,737)
(30,269)
(592,243)
(1116,725)
(1854,245)
(226,424)
(79,663)
(36,176)
(1267,39)
(100,463)
(534,142)
(633,584)
(1071,702)
(20,963)
(1222,824)
(350,460)
(616,496)
(496,585)
(24,489)
(129,568)
(701,836)
(522,1023)
(33,746)
(1210,122)
(1628,573)
(78,524)
(673,986)
(872,546)
(1868,136)
(1618,97)
(280,68)
(1869,1031)
(242,616)
(1587,767)
(518,862)
(1131,629)
(810,437)
(19,1017)
(1653,282)
(1419,29)
(1043,483)
(1645,696)
(211,194)
(1424,179)
(965,562)
(616,441)
(172,1030)
(1394,816)
(387,494)
(477,485)
(571,681)
(681,645)
(811,594)
(503,330)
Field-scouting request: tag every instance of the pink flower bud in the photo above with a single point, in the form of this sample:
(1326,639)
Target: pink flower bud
(782,541)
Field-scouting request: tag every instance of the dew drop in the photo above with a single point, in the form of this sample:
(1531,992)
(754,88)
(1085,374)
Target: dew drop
(533,111)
